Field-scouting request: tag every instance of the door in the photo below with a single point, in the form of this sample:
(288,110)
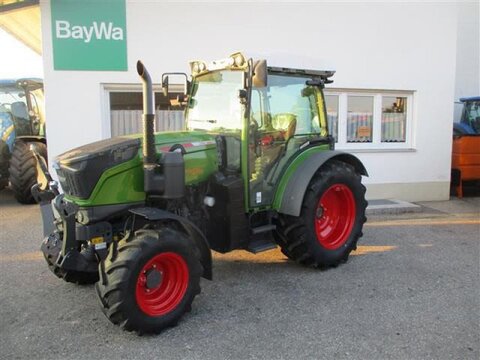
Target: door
(284,115)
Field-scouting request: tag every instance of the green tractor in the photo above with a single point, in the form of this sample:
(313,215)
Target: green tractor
(22,127)
(255,169)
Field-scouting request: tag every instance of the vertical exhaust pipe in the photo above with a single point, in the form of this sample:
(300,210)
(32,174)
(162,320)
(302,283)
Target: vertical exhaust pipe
(167,178)
(149,155)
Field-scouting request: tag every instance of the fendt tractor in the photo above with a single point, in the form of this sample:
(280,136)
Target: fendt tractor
(22,126)
(255,169)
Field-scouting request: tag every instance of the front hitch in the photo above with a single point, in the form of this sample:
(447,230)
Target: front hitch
(64,255)
(60,246)
(44,191)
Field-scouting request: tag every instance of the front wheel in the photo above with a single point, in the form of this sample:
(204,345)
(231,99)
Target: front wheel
(23,170)
(331,219)
(149,281)
(3,175)
(4,163)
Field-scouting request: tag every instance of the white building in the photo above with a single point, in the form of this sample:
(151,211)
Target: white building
(409,54)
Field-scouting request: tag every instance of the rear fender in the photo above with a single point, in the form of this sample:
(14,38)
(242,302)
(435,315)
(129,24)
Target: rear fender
(154,214)
(289,201)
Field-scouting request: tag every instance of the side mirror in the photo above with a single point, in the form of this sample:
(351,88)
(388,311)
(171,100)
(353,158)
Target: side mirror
(259,79)
(179,84)
(242,95)
(165,85)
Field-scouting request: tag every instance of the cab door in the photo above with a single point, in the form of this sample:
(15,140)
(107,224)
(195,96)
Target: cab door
(284,115)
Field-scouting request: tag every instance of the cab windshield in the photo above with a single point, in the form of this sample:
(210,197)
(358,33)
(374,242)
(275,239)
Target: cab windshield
(471,116)
(214,105)
(7,97)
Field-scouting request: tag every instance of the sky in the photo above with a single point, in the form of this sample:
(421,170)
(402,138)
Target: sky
(18,60)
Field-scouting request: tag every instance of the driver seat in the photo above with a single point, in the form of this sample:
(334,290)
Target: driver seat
(286,122)
(19,110)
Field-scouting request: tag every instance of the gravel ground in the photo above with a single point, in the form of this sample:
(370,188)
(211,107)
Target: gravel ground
(411,291)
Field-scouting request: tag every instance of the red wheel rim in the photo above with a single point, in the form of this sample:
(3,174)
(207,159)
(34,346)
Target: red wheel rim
(161,295)
(335,216)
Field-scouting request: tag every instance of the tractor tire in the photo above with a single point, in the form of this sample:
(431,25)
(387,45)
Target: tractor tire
(54,244)
(23,170)
(3,176)
(4,161)
(331,219)
(149,280)
(71,276)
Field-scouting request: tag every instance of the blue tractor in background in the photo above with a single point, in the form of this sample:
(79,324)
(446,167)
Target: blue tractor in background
(22,130)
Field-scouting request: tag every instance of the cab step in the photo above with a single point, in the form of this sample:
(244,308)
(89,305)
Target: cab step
(263,229)
(261,245)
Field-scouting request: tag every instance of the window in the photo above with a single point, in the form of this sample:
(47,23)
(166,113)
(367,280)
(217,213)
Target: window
(215,104)
(370,119)
(124,111)
(331,102)
(394,118)
(359,118)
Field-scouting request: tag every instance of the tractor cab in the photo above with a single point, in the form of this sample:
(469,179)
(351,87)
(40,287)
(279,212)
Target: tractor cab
(261,115)
(21,105)
(469,123)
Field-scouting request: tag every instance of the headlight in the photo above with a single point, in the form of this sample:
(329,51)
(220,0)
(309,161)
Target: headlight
(197,67)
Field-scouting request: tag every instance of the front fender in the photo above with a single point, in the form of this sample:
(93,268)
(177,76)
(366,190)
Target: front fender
(293,185)
(154,214)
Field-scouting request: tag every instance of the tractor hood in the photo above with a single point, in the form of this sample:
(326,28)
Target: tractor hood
(79,170)
(186,141)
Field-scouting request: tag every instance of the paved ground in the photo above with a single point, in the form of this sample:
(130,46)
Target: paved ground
(410,292)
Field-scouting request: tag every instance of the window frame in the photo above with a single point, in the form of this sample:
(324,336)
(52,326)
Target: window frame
(376,144)
(105,90)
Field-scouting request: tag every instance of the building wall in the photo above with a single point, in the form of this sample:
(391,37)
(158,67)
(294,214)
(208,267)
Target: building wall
(396,46)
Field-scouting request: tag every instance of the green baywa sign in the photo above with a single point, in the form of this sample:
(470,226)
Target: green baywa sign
(89,35)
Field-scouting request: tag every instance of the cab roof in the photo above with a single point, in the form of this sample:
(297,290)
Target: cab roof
(472,98)
(323,74)
(16,84)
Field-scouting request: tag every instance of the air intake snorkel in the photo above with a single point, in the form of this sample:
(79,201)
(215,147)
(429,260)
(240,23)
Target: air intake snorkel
(166,178)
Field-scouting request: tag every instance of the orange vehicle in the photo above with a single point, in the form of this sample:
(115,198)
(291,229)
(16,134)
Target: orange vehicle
(466,145)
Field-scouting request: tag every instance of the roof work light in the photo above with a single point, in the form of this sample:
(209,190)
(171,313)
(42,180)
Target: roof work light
(236,61)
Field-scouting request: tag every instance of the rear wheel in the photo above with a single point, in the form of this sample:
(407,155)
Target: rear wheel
(331,219)
(149,281)
(23,170)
